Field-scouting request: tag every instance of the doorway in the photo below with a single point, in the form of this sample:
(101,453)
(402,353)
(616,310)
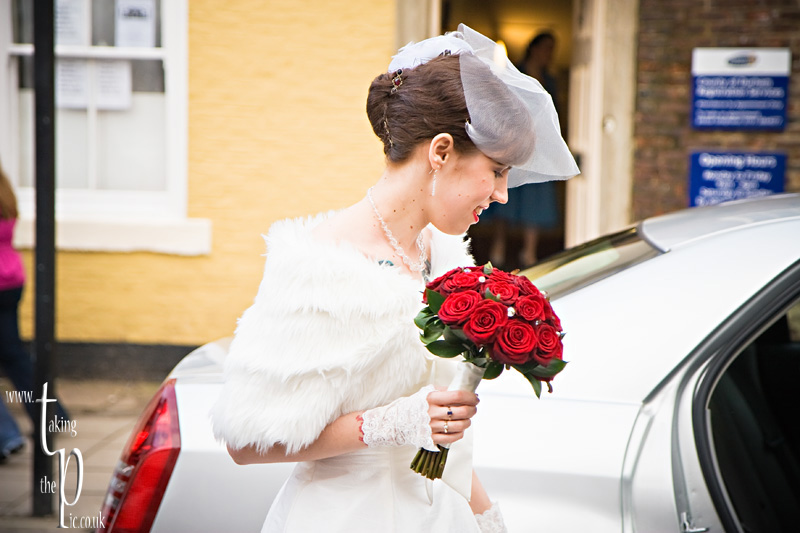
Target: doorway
(531,226)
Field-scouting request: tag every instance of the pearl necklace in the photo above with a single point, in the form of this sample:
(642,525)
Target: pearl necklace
(421,266)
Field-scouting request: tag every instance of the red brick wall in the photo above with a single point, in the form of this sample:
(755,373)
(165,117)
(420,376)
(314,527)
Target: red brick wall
(669,30)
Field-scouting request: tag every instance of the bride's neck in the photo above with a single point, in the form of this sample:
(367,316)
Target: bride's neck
(400,199)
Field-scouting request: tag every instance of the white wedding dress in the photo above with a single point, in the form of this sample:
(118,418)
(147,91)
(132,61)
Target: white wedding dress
(369,491)
(331,332)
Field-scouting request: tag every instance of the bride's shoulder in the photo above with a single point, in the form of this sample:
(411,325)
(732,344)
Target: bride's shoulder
(346,227)
(331,228)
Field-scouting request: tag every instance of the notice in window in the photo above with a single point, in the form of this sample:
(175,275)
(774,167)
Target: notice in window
(72,22)
(72,83)
(106,82)
(136,23)
(113,84)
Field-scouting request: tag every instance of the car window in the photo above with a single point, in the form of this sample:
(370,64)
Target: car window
(590,262)
(753,414)
(793,319)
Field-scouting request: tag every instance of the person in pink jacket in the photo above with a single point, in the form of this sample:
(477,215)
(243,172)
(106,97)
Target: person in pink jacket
(14,359)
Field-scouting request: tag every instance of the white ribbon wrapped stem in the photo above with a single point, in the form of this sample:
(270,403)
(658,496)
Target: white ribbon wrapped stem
(466,378)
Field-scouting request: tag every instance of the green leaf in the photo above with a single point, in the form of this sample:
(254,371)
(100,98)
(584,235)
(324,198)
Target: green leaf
(424,316)
(488,268)
(553,367)
(528,367)
(435,300)
(491,296)
(535,383)
(493,370)
(445,349)
(433,330)
(454,335)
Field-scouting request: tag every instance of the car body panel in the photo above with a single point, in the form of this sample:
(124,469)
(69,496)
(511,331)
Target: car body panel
(525,456)
(204,471)
(648,492)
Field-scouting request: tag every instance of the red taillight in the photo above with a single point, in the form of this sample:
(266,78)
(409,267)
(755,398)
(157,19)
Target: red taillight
(140,478)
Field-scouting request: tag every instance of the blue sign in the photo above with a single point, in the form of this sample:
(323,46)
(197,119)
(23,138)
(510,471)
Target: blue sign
(716,177)
(740,89)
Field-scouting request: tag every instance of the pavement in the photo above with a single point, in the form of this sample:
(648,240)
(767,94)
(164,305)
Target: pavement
(105,413)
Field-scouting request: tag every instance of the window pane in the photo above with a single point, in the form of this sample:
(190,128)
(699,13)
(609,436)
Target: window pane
(756,438)
(110,120)
(131,146)
(25,72)
(72,169)
(103,22)
(138,13)
(590,262)
(22,14)
(71,145)
(25,121)
(148,75)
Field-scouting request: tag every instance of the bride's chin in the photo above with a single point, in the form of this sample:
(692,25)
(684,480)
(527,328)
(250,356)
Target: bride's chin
(452,229)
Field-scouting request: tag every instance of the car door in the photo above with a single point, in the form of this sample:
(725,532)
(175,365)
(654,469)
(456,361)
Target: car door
(744,415)
(722,428)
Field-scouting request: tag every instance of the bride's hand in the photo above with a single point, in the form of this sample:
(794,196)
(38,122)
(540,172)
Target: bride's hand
(450,413)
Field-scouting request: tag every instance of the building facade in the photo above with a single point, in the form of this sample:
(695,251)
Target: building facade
(242,113)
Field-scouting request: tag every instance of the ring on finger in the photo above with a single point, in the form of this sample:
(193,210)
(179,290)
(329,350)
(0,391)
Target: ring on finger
(445,428)
(450,412)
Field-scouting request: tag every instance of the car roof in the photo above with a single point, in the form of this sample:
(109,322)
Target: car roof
(674,229)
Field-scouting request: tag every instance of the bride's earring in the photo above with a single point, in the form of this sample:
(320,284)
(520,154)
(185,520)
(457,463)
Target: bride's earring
(433,187)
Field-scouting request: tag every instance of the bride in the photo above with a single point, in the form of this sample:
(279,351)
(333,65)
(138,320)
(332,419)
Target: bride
(326,368)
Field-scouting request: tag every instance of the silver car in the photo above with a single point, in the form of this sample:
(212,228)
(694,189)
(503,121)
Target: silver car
(678,410)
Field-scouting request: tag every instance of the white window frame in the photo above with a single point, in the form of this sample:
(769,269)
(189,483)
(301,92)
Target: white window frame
(107,220)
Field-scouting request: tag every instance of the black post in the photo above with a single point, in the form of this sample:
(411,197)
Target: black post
(44,307)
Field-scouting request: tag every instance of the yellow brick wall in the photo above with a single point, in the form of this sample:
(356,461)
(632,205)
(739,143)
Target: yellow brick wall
(277,128)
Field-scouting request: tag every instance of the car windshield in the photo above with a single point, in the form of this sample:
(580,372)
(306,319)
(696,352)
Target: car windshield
(586,263)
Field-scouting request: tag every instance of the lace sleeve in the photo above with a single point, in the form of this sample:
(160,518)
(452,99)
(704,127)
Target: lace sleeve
(491,521)
(404,421)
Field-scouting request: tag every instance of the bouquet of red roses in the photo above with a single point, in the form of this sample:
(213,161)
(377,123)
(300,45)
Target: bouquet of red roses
(495,320)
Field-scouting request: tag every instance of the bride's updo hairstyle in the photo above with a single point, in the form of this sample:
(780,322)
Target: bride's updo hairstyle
(458,83)
(412,107)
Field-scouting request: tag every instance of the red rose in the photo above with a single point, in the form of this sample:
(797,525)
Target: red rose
(550,346)
(457,307)
(462,281)
(436,284)
(531,308)
(551,316)
(514,343)
(500,275)
(486,318)
(506,292)
(526,287)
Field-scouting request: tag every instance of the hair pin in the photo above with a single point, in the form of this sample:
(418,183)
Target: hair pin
(397,80)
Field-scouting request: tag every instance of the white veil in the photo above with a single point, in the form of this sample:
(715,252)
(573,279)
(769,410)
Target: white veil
(513,122)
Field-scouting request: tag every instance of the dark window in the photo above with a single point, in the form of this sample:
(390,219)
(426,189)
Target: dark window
(754,423)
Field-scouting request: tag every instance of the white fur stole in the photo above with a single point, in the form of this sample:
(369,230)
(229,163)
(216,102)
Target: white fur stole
(330,332)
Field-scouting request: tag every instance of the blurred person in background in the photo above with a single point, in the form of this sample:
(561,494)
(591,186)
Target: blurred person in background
(15,362)
(531,208)
(326,368)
